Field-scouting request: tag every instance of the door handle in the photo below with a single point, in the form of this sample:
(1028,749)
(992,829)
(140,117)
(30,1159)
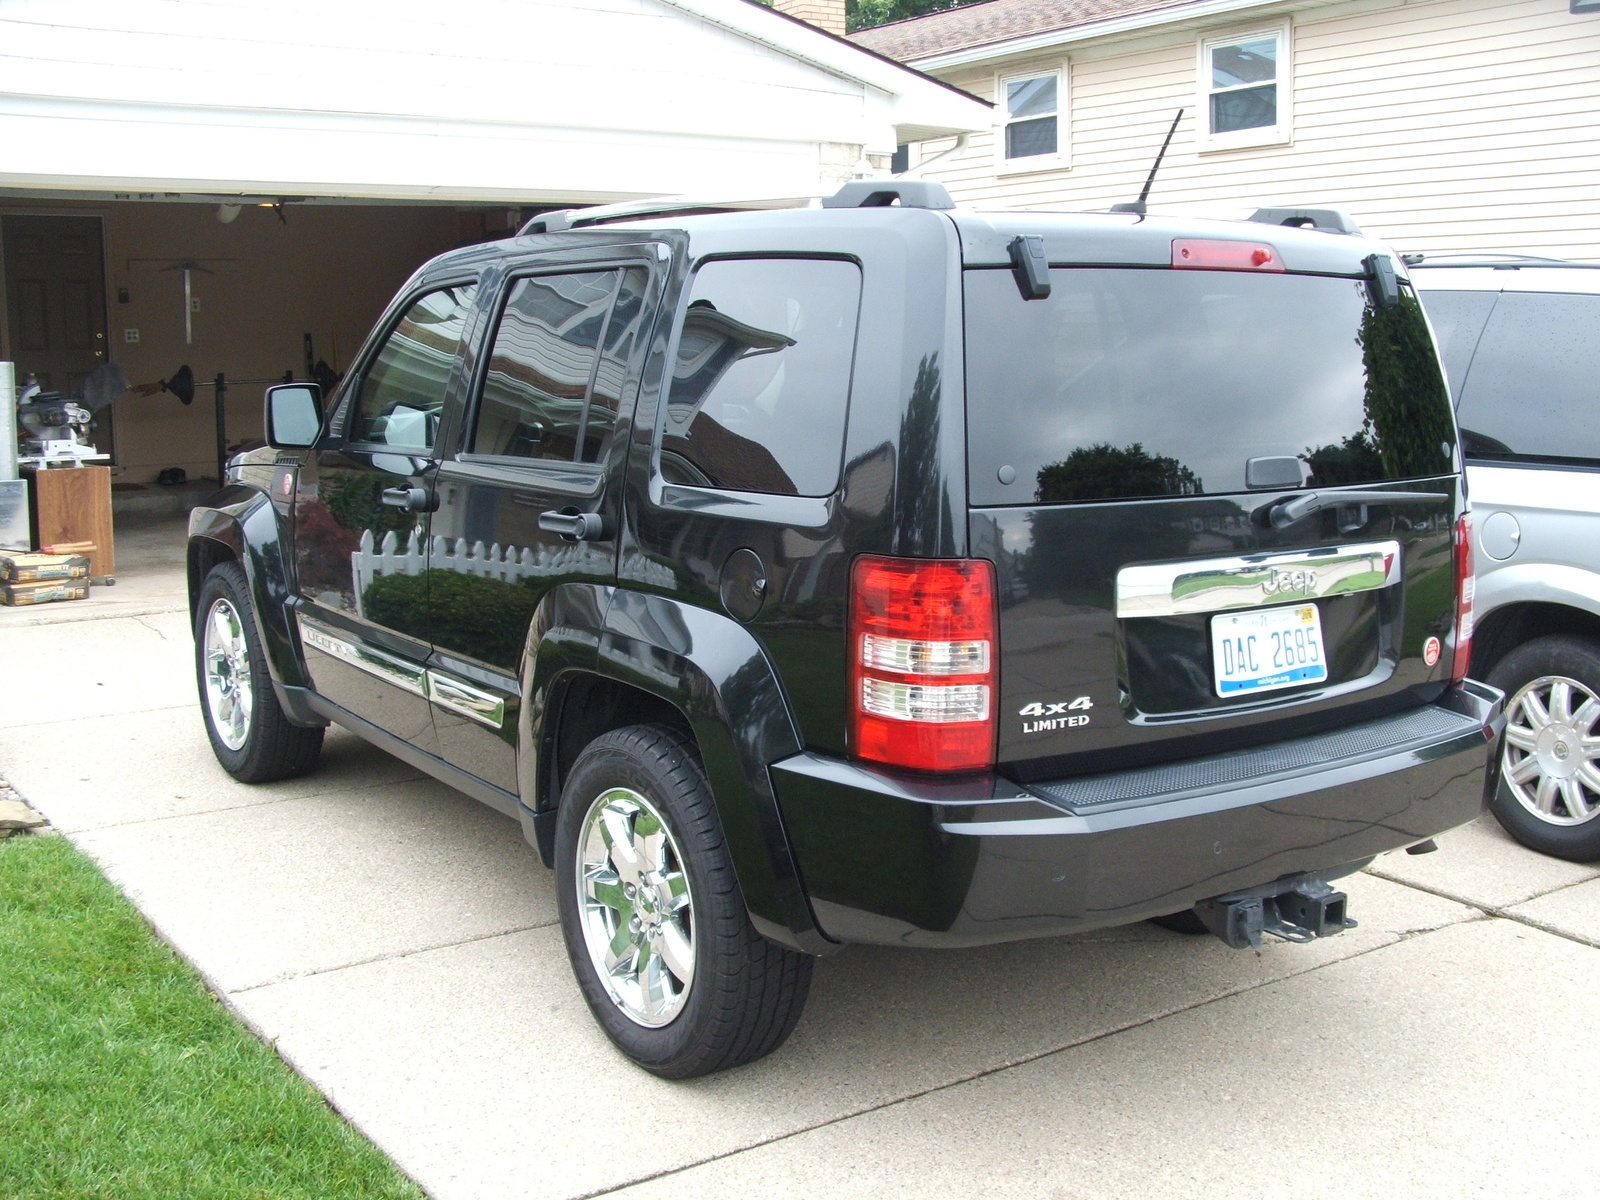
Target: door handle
(412,499)
(574,526)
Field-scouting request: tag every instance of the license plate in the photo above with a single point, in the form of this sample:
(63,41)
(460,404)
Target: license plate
(1267,649)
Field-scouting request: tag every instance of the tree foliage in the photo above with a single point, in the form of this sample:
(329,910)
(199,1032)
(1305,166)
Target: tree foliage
(865,14)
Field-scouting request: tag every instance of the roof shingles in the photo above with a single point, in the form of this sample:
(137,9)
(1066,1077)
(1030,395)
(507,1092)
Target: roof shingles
(992,21)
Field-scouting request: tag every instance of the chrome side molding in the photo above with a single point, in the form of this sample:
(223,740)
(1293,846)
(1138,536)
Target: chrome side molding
(1255,580)
(449,692)
(387,667)
(445,690)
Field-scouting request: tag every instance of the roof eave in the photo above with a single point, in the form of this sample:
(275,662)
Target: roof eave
(918,99)
(1107,27)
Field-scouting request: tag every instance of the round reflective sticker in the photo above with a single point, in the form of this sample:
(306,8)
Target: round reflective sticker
(1430,651)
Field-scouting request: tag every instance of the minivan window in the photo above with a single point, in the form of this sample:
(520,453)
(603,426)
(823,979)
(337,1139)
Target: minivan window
(762,378)
(1139,383)
(1534,388)
(1457,319)
(403,391)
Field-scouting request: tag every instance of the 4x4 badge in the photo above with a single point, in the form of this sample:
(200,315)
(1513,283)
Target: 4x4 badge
(1056,715)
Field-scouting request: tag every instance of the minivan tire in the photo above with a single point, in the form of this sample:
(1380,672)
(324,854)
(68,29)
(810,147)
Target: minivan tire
(743,993)
(249,733)
(1530,676)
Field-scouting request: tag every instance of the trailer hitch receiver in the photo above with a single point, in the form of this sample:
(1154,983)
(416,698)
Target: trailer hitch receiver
(1296,909)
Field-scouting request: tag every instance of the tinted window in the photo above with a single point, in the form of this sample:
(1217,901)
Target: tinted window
(762,377)
(1457,319)
(1534,388)
(403,391)
(535,394)
(1141,383)
(625,330)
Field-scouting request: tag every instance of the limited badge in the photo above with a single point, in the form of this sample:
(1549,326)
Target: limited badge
(1430,651)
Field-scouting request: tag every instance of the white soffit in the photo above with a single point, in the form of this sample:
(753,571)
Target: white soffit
(495,100)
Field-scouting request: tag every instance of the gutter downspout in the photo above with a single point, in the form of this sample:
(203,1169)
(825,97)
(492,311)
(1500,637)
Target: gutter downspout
(915,172)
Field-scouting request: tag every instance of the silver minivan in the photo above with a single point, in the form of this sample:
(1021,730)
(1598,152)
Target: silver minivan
(1520,338)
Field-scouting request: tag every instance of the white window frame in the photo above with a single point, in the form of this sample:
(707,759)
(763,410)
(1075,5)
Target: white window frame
(1061,159)
(1279,134)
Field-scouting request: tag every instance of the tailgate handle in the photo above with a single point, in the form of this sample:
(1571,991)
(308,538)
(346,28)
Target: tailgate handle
(1286,512)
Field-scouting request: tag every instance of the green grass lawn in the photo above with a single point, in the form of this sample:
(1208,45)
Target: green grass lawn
(122,1077)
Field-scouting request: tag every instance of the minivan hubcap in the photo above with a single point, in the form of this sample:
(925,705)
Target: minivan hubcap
(635,907)
(227,667)
(1552,754)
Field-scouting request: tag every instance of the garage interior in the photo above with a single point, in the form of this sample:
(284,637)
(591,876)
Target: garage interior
(275,286)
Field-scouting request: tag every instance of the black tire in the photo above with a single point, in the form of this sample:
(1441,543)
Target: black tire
(744,993)
(1529,668)
(268,746)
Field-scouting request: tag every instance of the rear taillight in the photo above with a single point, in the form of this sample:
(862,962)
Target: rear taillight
(922,662)
(1466,588)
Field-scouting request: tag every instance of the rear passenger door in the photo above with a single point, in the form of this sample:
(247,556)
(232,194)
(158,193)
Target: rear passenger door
(528,501)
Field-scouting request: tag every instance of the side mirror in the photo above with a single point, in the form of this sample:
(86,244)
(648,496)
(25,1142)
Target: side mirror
(293,415)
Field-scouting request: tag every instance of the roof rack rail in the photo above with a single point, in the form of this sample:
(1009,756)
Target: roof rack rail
(1466,259)
(1328,220)
(881,193)
(657,206)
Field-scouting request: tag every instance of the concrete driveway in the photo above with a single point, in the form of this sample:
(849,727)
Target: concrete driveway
(398,943)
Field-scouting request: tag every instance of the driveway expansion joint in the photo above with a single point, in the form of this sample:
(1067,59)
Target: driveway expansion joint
(1506,913)
(394,956)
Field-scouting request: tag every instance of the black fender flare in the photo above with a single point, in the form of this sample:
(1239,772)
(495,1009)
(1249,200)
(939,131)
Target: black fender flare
(245,523)
(713,671)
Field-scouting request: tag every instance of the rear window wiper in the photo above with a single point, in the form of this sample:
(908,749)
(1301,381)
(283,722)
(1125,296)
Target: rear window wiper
(1283,513)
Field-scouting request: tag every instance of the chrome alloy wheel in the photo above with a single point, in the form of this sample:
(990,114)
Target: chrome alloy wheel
(229,697)
(635,907)
(1552,755)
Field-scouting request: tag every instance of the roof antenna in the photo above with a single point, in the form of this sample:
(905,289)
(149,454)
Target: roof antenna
(1137,206)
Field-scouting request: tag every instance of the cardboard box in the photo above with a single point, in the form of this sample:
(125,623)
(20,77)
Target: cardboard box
(43,592)
(38,568)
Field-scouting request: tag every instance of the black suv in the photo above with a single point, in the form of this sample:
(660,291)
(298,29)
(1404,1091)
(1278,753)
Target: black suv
(873,573)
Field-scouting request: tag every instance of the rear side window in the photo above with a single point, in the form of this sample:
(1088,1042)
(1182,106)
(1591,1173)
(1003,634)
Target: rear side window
(1134,383)
(403,391)
(1534,388)
(761,382)
(546,346)
(1457,319)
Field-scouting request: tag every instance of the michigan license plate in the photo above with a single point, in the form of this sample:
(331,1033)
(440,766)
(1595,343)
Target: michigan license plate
(1267,649)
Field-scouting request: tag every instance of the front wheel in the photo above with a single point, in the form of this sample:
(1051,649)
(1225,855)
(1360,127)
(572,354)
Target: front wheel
(250,735)
(1549,793)
(654,920)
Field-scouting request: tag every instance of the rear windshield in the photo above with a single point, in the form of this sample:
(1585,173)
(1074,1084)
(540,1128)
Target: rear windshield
(1136,383)
(1532,390)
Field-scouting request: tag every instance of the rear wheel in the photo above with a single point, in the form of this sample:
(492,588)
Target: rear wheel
(654,920)
(251,737)
(1549,793)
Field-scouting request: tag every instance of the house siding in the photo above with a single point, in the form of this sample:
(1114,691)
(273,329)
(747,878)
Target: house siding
(1441,126)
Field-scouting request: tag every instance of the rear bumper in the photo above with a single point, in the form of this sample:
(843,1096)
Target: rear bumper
(894,859)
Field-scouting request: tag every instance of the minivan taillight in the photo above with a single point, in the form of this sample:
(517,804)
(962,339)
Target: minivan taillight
(1466,589)
(923,662)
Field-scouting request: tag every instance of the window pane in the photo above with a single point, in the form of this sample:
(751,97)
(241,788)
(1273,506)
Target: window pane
(626,330)
(762,378)
(1252,108)
(1024,139)
(1031,97)
(1246,62)
(403,392)
(1534,387)
(1457,319)
(544,354)
(1136,382)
